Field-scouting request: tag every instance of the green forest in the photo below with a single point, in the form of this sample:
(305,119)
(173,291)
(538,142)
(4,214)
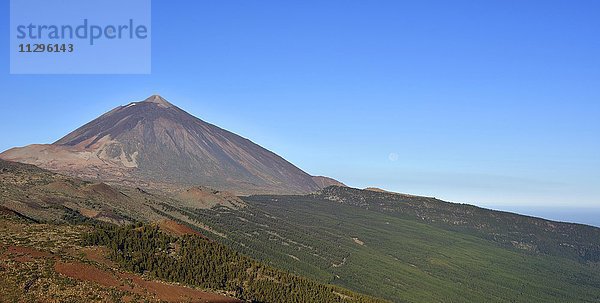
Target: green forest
(406,250)
(195,261)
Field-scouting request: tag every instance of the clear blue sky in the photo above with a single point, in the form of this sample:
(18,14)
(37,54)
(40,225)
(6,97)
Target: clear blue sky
(485,102)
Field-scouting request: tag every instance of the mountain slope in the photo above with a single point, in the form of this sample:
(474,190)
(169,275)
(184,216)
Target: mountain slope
(414,249)
(103,263)
(324,182)
(156,144)
(401,247)
(41,195)
(30,195)
(574,241)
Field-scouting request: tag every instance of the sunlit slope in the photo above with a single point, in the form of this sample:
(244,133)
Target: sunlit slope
(398,257)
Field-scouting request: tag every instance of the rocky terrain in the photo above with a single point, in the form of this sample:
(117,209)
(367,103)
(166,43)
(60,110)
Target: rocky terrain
(154,144)
(48,263)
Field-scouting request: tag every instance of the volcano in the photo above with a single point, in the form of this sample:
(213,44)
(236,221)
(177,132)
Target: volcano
(155,144)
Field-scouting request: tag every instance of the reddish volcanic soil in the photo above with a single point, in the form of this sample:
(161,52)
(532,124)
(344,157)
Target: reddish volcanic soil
(177,229)
(86,272)
(175,293)
(23,254)
(134,283)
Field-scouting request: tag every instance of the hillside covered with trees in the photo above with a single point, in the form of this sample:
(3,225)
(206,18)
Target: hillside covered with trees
(196,261)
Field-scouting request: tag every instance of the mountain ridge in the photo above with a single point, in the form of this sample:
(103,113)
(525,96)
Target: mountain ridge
(155,144)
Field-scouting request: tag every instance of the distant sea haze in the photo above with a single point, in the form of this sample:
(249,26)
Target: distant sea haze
(589,216)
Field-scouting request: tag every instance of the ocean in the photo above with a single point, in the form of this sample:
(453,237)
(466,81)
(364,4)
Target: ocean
(588,216)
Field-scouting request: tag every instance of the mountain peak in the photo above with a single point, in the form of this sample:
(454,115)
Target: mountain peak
(155,144)
(157,99)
